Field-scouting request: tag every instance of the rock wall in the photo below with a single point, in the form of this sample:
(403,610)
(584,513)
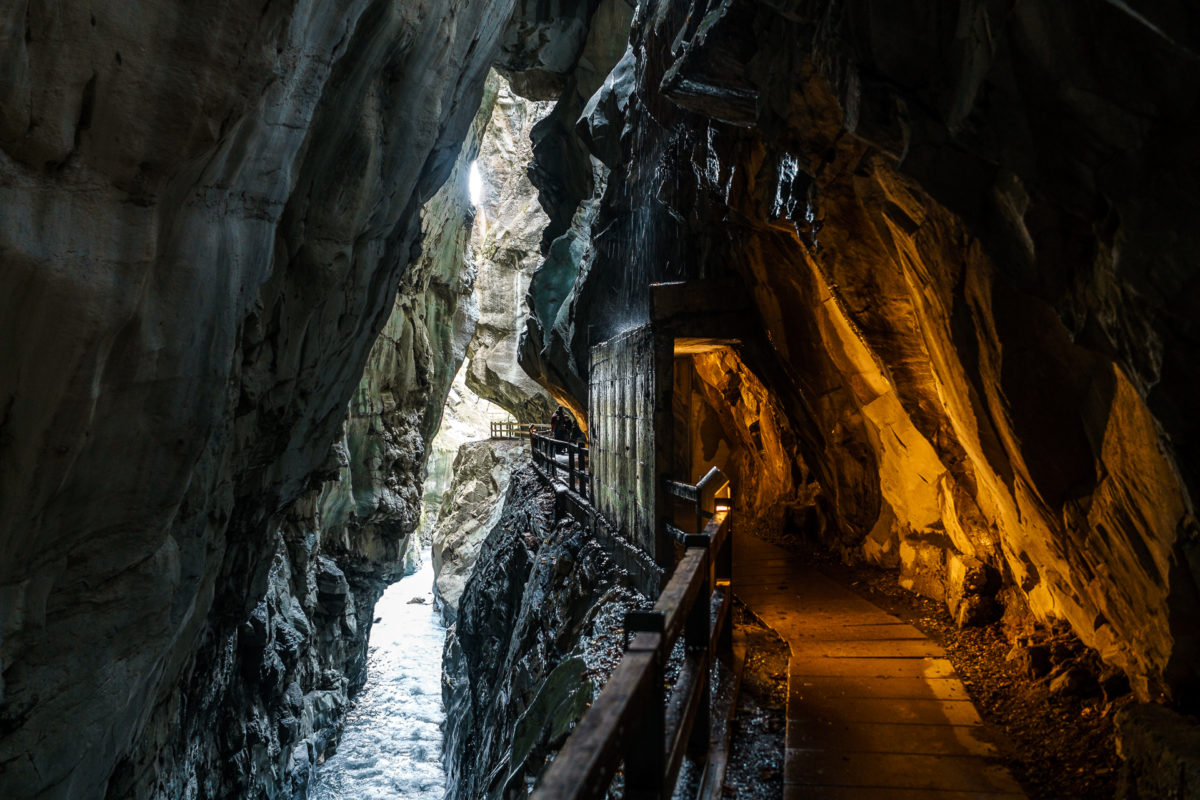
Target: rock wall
(470,509)
(505,250)
(738,425)
(965,228)
(205,214)
(537,633)
(569,181)
(466,418)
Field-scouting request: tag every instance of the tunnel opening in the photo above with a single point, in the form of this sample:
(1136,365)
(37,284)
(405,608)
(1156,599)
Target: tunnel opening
(724,416)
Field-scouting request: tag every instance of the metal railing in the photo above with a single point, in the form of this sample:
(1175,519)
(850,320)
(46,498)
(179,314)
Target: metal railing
(575,472)
(632,720)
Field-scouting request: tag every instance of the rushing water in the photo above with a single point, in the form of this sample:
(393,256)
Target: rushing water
(392,745)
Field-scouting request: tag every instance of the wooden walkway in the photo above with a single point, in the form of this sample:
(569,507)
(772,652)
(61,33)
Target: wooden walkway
(875,711)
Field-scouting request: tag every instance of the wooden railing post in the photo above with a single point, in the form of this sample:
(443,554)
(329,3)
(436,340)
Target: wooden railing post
(645,753)
(571,467)
(698,637)
(723,572)
(630,720)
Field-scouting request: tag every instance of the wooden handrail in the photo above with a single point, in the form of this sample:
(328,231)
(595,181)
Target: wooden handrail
(695,604)
(587,761)
(684,491)
(703,496)
(508,429)
(544,448)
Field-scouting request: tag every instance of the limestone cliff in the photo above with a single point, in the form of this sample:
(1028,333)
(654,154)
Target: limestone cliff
(466,417)
(505,250)
(964,232)
(205,215)
(469,510)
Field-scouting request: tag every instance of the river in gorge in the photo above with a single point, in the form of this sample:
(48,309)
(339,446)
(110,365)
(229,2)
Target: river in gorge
(392,744)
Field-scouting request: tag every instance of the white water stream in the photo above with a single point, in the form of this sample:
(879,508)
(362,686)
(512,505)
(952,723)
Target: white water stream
(392,745)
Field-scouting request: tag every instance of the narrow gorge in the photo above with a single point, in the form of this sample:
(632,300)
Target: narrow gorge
(918,278)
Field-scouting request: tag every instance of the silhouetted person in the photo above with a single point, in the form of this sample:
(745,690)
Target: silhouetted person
(558,426)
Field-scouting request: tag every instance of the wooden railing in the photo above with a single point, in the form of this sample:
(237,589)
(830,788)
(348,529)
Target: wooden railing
(632,720)
(703,496)
(574,473)
(514,430)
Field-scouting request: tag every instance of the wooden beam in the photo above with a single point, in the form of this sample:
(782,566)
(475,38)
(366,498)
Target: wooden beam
(584,767)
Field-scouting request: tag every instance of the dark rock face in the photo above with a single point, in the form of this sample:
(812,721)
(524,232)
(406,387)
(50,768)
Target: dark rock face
(536,634)
(204,218)
(568,180)
(965,230)
(1161,750)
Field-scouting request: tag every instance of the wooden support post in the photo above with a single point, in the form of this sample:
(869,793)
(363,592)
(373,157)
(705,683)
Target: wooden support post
(571,467)
(645,753)
(724,572)
(697,636)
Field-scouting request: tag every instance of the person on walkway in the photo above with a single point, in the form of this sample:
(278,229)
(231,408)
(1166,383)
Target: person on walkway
(559,427)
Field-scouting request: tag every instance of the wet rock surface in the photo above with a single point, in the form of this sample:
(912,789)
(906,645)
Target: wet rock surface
(469,511)
(266,723)
(933,226)
(965,232)
(537,633)
(206,222)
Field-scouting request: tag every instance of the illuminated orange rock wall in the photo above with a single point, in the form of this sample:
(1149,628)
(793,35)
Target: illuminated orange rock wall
(968,234)
(738,426)
(1077,503)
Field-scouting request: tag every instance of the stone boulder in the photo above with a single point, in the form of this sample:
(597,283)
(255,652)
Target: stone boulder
(469,510)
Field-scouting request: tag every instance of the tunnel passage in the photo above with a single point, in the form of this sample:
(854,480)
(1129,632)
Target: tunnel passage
(690,391)
(724,416)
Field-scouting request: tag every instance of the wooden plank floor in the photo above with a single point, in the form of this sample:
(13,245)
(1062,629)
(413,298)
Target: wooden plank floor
(875,710)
